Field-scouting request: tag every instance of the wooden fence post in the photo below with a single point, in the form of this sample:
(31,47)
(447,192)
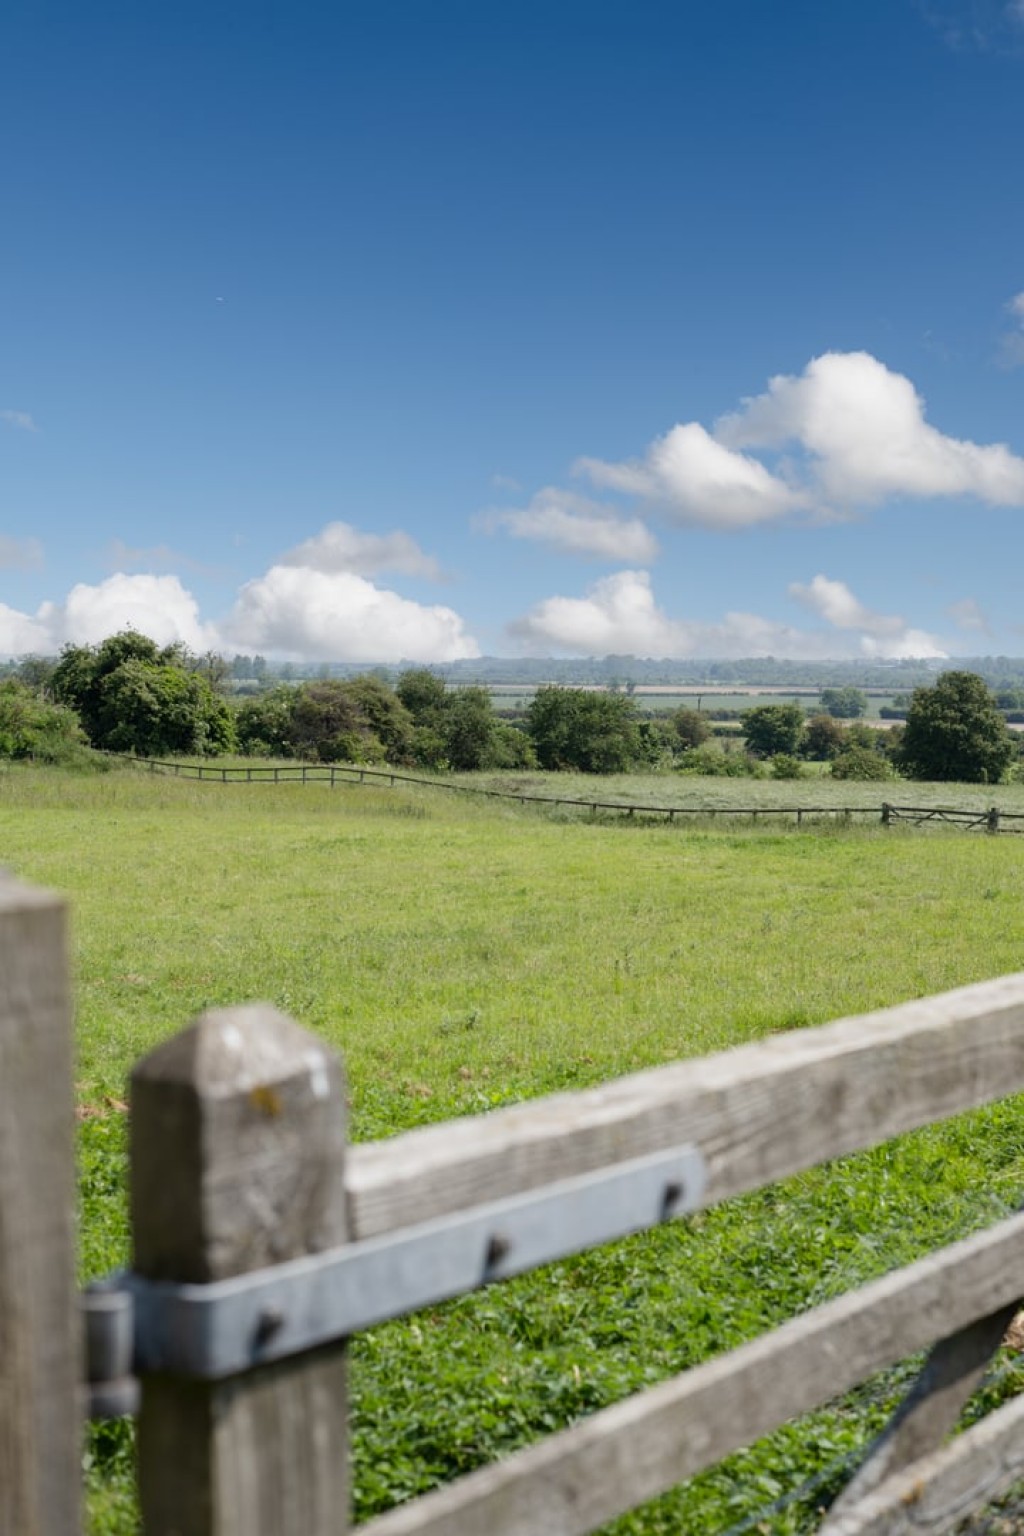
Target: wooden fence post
(40,1364)
(238,1144)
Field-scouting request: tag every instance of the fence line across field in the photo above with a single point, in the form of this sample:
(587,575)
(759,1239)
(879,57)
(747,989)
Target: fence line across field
(253,1220)
(991,819)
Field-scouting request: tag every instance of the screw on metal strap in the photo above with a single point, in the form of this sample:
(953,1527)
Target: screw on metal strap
(230,1326)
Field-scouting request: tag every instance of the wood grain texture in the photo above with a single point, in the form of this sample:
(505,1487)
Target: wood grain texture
(576,1480)
(40,1406)
(937,1492)
(238,1149)
(952,1373)
(757,1113)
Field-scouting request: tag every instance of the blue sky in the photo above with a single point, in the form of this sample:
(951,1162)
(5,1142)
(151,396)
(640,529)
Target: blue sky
(427,328)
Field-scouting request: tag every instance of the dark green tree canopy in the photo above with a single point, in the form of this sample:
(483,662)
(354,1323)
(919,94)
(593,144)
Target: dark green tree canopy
(824,737)
(772,728)
(131,696)
(955,733)
(580,729)
(844,703)
(691,727)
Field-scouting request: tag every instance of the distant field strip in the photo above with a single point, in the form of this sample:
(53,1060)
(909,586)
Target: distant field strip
(992,820)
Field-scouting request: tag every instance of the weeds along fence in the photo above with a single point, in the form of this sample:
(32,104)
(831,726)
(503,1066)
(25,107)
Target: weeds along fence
(262,1241)
(991,819)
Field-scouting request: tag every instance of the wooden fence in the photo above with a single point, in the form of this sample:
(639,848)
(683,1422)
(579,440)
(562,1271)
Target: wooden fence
(246,1200)
(991,819)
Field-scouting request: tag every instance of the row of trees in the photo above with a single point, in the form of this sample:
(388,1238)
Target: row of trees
(954,732)
(129,695)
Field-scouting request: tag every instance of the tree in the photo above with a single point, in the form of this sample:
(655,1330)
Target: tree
(844,703)
(387,716)
(823,738)
(133,697)
(955,733)
(468,725)
(691,727)
(423,693)
(264,724)
(772,728)
(579,728)
(329,724)
(31,727)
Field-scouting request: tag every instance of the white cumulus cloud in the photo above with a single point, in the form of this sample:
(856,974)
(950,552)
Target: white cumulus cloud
(340,547)
(693,479)
(866,437)
(157,606)
(619,615)
(576,525)
(297,612)
(880,634)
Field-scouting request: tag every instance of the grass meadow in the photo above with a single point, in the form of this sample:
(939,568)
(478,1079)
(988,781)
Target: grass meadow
(465,953)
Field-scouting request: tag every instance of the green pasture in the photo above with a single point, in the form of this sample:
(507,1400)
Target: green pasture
(463,953)
(516,696)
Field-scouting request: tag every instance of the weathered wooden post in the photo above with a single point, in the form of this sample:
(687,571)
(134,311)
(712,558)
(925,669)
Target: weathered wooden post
(40,1366)
(992,819)
(238,1144)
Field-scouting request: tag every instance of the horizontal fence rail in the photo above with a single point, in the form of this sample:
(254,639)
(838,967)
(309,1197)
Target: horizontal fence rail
(991,820)
(243,1110)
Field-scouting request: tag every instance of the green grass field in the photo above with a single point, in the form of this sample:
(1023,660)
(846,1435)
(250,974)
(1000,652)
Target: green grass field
(465,953)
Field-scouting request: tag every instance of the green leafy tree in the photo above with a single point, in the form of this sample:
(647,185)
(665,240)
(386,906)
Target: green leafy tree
(823,738)
(386,715)
(131,696)
(468,724)
(691,727)
(329,724)
(955,733)
(458,728)
(423,693)
(32,727)
(589,731)
(773,728)
(263,725)
(844,703)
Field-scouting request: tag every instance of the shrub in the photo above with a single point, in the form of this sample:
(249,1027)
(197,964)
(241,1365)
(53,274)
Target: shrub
(712,762)
(784,766)
(857,762)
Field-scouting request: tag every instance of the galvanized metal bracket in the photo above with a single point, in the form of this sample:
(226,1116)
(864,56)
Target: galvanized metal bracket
(135,1326)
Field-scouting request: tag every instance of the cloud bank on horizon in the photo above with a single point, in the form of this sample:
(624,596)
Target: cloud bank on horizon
(838,441)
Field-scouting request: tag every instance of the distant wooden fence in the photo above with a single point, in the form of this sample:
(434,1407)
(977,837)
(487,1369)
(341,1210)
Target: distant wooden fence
(990,820)
(261,1240)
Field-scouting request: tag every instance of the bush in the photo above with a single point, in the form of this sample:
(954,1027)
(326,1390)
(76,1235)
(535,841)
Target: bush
(712,762)
(784,766)
(857,762)
(31,728)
